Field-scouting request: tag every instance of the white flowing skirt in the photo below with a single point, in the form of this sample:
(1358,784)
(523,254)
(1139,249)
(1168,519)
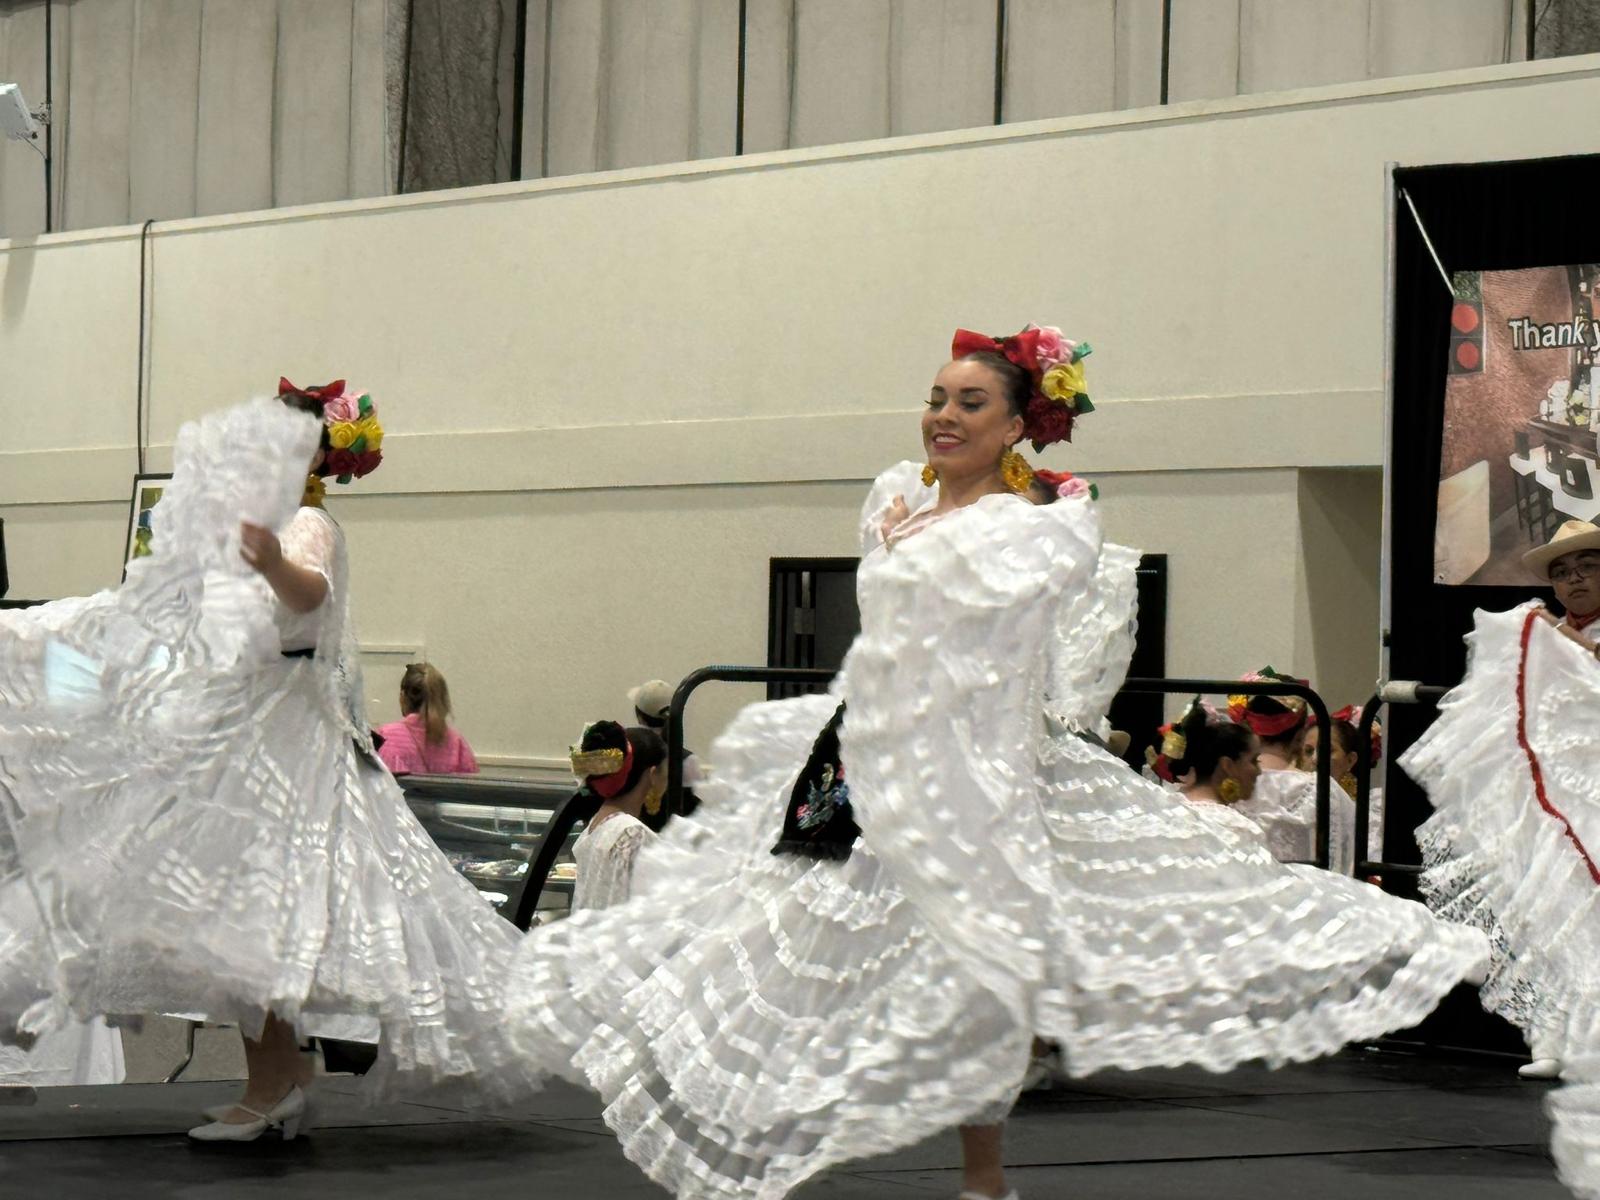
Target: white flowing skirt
(1512,768)
(186,828)
(751,1019)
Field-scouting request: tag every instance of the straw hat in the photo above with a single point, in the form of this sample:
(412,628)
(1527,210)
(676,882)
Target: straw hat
(653,699)
(1569,539)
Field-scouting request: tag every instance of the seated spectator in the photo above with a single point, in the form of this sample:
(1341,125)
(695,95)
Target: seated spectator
(423,742)
(652,708)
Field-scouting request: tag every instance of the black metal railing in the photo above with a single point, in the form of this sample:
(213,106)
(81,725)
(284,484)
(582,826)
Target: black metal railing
(1393,692)
(1204,687)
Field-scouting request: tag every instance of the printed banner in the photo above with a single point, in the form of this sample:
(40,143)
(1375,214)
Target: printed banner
(1521,418)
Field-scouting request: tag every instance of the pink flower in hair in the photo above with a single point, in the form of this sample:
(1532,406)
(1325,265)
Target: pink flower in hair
(345,407)
(1073,488)
(1054,349)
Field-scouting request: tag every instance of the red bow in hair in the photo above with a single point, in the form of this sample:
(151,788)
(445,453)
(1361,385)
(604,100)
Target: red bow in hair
(609,786)
(321,395)
(1021,348)
(1351,715)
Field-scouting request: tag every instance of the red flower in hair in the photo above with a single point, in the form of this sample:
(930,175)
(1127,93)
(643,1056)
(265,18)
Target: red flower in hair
(1047,422)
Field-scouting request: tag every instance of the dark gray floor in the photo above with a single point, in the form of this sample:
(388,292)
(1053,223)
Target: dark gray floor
(1364,1126)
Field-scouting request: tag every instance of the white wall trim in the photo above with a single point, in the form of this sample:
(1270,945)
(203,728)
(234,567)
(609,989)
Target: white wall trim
(1191,433)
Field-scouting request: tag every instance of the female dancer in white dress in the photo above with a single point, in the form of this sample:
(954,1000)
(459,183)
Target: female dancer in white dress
(626,770)
(791,1006)
(1345,726)
(1284,802)
(1513,846)
(201,825)
(1220,761)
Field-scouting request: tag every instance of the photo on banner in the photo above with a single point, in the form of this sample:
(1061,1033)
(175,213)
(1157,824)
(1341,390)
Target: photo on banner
(147,490)
(1521,441)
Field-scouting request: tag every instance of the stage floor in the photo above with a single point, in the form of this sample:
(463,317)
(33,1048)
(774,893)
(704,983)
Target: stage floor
(1373,1125)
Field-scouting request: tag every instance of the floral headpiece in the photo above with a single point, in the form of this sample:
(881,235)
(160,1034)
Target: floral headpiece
(1269,725)
(603,771)
(1350,714)
(350,425)
(1055,364)
(1174,742)
(1065,484)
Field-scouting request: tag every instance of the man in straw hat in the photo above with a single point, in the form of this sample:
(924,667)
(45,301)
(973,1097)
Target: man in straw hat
(1570,563)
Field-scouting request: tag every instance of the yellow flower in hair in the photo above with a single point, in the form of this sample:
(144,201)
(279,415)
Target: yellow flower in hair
(341,434)
(1064,383)
(369,428)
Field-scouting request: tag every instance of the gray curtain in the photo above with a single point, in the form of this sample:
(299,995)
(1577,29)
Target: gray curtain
(176,108)
(619,83)
(452,92)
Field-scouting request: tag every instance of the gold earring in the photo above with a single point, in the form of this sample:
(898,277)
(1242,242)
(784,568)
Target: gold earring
(929,475)
(1016,472)
(1228,791)
(652,799)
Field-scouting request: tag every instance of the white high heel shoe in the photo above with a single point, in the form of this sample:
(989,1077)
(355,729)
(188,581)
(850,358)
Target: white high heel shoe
(1541,1068)
(286,1116)
(1011,1195)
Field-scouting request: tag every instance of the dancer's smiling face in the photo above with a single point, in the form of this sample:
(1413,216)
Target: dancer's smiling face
(1576,579)
(969,421)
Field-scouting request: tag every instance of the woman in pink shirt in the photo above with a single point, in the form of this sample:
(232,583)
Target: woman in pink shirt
(423,743)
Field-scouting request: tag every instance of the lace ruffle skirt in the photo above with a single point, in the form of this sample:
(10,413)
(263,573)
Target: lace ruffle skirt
(1511,767)
(751,1019)
(186,828)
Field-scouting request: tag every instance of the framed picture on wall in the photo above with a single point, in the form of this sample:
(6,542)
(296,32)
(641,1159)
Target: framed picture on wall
(147,490)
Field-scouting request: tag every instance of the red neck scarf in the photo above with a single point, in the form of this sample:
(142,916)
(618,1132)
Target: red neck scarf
(1574,621)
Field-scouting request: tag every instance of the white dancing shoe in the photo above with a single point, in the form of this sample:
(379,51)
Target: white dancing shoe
(1011,1195)
(1541,1068)
(286,1117)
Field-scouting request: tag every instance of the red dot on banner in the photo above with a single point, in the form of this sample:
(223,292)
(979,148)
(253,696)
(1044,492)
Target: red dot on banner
(1464,317)
(1467,356)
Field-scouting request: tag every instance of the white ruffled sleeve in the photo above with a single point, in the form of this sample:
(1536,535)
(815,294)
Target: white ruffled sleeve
(904,480)
(1092,644)
(311,540)
(944,689)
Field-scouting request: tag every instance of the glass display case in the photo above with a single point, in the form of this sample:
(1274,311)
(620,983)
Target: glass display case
(511,838)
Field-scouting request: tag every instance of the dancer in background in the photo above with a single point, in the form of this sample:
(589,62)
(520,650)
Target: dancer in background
(877,920)
(1284,802)
(1345,726)
(202,824)
(626,770)
(1219,759)
(1510,767)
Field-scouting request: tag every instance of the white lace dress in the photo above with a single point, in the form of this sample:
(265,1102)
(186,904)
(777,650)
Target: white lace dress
(1513,847)
(196,818)
(750,1019)
(605,854)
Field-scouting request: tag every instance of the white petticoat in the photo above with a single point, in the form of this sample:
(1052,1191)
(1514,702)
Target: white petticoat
(751,1019)
(191,816)
(1512,852)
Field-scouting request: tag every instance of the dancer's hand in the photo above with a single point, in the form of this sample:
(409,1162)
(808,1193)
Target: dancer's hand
(1568,632)
(300,588)
(898,512)
(260,547)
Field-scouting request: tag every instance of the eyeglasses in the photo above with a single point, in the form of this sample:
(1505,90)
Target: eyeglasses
(1581,568)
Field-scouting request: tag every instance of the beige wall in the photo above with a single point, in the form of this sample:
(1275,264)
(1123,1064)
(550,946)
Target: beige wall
(614,397)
